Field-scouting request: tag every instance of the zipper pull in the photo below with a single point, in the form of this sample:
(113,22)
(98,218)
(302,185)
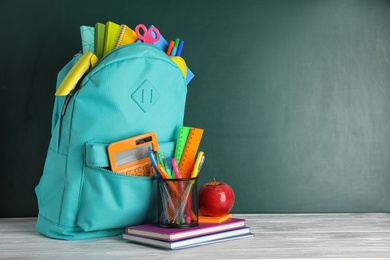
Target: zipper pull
(66,103)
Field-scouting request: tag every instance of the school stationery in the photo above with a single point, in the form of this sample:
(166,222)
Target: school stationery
(85,63)
(207,219)
(78,195)
(150,36)
(188,158)
(111,34)
(187,143)
(87,38)
(175,46)
(173,199)
(176,170)
(163,172)
(100,31)
(182,137)
(172,234)
(126,36)
(163,44)
(163,161)
(180,48)
(192,242)
(198,164)
(170,47)
(190,75)
(130,156)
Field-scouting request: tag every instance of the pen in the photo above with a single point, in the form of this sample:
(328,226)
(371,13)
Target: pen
(155,153)
(154,163)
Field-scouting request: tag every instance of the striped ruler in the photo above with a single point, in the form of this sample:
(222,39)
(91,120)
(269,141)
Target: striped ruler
(188,157)
(181,141)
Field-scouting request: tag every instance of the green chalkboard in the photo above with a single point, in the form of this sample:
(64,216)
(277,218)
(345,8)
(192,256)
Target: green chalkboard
(294,96)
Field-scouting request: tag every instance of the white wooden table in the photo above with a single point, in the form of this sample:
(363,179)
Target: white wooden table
(277,236)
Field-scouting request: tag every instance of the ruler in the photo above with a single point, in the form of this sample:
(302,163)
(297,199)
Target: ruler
(181,141)
(189,153)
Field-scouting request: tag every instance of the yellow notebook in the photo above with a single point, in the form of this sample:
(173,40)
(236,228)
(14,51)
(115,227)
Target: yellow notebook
(112,31)
(100,29)
(126,36)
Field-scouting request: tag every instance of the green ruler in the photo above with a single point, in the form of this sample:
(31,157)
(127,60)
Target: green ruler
(181,141)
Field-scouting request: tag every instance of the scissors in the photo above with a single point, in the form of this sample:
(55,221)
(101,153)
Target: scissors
(150,36)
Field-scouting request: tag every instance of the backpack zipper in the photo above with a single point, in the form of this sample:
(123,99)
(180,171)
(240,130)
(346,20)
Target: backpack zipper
(78,85)
(71,94)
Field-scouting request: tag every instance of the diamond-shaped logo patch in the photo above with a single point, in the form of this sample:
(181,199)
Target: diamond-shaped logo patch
(145,95)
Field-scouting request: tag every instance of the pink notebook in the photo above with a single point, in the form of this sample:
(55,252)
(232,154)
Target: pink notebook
(173,234)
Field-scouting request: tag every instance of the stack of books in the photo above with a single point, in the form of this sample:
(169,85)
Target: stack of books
(207,232)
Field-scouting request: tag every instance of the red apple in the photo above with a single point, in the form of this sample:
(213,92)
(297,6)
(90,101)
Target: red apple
(215,199)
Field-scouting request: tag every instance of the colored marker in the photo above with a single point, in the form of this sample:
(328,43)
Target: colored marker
(176,168)
(170,47)
(169,163)
(174,50)
(180,48)
(177,41)
(162,171)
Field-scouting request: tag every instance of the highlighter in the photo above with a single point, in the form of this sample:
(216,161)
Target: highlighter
(198,164)
(176,168)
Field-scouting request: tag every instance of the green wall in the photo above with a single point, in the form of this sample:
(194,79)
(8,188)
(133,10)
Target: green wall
(293,95)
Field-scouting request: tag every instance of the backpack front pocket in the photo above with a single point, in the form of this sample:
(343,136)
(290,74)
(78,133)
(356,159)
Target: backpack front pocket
(110,200)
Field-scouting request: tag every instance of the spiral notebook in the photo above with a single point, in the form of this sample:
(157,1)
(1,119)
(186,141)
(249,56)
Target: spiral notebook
(126,36)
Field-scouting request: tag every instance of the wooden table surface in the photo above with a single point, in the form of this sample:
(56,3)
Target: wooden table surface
(277,236)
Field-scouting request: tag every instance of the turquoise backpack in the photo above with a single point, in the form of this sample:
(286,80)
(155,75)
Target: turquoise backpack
(133,90)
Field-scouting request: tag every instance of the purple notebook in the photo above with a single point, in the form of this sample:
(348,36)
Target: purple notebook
(173,234)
